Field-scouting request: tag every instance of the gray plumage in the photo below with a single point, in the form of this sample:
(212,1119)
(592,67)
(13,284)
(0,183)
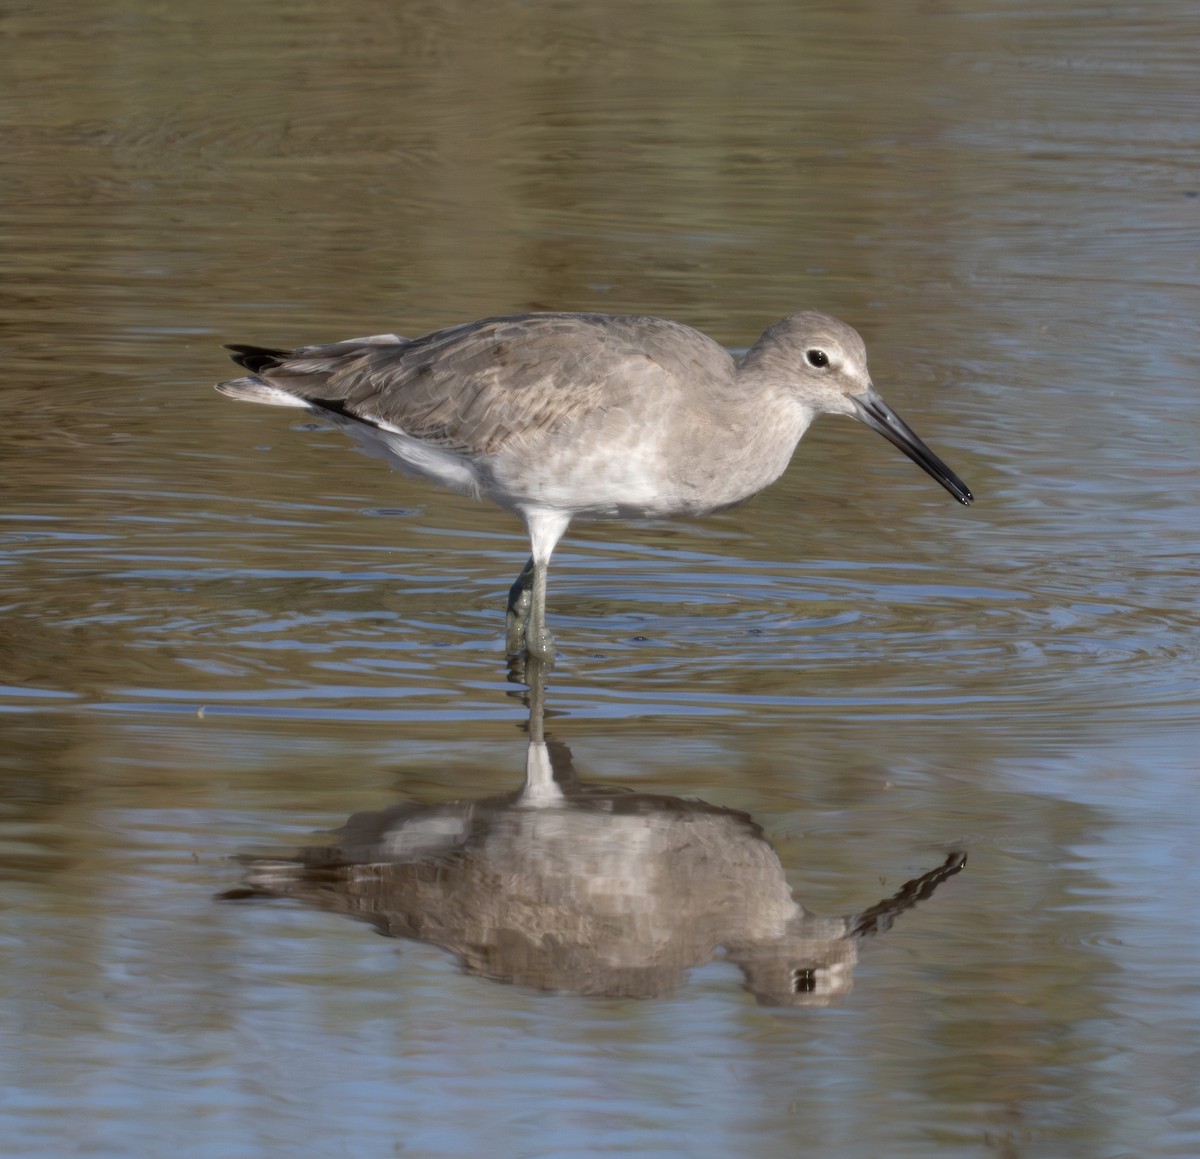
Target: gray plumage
(587,890)
(557,416)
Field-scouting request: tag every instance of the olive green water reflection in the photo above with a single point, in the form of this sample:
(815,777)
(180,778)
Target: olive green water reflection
(221,630)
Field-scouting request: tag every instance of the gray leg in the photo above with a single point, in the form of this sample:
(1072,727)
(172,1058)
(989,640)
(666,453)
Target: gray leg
(527,598)
(538,641)
(520,599)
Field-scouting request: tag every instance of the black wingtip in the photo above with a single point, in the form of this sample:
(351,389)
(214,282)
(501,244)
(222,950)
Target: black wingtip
(256,358)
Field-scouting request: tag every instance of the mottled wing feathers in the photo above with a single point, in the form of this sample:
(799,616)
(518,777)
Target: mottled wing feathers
(478,387)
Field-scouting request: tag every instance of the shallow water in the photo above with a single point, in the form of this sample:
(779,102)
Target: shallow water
(223,632)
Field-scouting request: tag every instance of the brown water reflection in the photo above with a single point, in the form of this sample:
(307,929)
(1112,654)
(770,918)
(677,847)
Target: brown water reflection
(582,888)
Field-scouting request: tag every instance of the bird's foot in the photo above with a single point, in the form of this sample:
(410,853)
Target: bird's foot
(524,640)
(529,670)
(520,602)
(516,626)
(527,634)
(539,643)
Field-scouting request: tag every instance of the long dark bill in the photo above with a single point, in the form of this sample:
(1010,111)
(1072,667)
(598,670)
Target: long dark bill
(880,417)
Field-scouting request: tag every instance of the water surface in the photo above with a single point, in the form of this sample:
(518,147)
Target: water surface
(224,632)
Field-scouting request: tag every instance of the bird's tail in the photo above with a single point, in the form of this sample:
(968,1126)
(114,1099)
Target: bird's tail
(260,360)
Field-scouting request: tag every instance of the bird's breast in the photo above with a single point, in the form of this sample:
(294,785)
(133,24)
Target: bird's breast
(647,466)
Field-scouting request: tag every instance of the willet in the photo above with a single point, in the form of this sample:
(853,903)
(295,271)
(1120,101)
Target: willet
(596,416)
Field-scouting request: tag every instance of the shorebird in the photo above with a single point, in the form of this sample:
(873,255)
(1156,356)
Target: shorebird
(560,416)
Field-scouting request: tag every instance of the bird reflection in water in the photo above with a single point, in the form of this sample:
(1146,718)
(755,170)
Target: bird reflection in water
(590,890)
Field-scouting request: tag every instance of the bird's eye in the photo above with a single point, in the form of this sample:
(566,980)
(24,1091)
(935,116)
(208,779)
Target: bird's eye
(817,358)
(804,981)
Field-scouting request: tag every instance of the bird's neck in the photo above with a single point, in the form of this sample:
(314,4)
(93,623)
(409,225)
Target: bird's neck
(759,424)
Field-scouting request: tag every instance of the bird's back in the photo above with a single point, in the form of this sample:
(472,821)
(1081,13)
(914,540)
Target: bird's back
(475,388)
